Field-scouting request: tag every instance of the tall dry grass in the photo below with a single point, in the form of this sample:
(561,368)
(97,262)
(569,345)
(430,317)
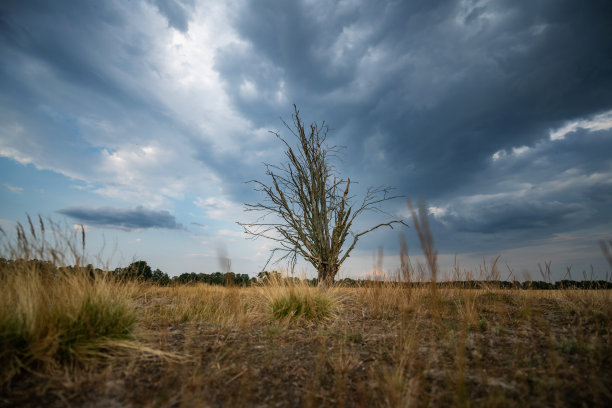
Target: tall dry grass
(53,316)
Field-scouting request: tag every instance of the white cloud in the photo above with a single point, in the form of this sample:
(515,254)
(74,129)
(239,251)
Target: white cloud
(498,155)
(281,97)
(81,227)
(191,88)
(231,233)
(248,91)
(437,211)
(220,208)
(515,152)
(12,188)
(519,151)
(138,155)
(154,174)
(600,122)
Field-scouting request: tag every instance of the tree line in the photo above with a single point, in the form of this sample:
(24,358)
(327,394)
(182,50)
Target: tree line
(141,271)
(136,271)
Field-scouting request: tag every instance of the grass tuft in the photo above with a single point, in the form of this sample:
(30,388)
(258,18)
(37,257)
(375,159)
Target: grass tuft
(45,323)
(304,304)
(287,299)
(56,317)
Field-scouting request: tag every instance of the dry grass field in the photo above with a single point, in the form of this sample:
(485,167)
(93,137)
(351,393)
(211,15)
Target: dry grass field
(70,339)
(130,344)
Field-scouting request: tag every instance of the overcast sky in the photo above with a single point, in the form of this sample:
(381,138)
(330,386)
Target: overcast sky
(143,119)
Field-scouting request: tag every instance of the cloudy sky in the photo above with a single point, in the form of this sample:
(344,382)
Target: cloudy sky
(143,119)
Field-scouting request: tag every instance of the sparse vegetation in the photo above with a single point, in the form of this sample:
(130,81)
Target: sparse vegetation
(73,338)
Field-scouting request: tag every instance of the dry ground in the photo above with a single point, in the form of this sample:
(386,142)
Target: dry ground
(379,346)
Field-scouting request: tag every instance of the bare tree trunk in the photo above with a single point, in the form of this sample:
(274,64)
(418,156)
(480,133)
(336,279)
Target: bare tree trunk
(327,273)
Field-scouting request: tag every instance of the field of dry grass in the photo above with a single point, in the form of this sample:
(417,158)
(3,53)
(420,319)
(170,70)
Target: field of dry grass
(371,346)
(69,338)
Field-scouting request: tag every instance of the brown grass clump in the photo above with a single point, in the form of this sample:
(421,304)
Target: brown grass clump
(66,319)
(288,299)
(54,319)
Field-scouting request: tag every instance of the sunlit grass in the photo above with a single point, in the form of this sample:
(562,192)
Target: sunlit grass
(46,322)
(54,317)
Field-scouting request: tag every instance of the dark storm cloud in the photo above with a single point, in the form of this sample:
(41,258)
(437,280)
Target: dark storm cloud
(291,36)
(554,187)
(261,77)
(451,83)
(176,11)
(60,64)
(123,218)
(515,215)
(63,37)
(423,94)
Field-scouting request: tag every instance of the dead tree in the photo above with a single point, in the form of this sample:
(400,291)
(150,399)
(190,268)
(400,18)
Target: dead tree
(310,206)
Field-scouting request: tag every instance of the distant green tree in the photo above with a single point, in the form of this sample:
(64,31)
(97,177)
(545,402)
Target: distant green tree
(216,278)
(138,270)
(186,278)
(242,279)
(160,278)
